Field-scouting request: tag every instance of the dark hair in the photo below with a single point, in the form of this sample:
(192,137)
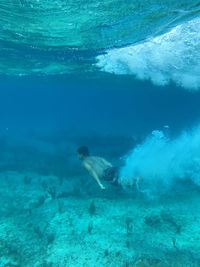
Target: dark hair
(83,150)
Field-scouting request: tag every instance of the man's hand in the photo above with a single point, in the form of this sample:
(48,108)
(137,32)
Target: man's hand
(102,187)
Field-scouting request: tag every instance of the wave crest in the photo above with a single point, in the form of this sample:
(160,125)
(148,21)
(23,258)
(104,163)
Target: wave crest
(171,57)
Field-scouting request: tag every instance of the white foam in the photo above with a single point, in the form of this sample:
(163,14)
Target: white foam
(161,161)
(173,56)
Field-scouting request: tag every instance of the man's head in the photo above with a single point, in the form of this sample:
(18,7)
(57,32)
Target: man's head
(83,152)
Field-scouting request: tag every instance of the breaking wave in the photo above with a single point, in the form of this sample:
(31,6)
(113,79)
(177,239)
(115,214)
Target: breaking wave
(59,37)
(170,57)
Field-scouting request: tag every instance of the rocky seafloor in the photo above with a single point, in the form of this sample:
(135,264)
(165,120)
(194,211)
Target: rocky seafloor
(46,221)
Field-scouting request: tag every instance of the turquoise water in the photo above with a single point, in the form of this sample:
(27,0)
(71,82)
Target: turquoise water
(123,78)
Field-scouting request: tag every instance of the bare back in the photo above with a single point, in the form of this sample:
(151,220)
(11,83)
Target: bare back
(97,164)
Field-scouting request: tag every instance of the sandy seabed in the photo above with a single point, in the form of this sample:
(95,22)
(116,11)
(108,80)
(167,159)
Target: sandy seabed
(44,224)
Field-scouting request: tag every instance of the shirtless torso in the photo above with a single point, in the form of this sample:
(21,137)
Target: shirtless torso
(96,166)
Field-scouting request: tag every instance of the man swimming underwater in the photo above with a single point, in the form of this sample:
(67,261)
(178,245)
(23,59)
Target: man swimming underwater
(99,168)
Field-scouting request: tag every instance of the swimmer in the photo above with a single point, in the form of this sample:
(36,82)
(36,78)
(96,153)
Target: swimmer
(98,168)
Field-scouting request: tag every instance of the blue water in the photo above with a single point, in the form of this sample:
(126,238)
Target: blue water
(110,76)
(65,108)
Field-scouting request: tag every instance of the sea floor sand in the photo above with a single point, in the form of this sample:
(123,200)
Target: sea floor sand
(43,225)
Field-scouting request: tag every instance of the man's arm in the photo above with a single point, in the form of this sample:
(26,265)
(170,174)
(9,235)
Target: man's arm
(94,175)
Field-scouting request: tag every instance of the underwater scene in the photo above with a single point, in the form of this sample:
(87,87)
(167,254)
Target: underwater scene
(100,133)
